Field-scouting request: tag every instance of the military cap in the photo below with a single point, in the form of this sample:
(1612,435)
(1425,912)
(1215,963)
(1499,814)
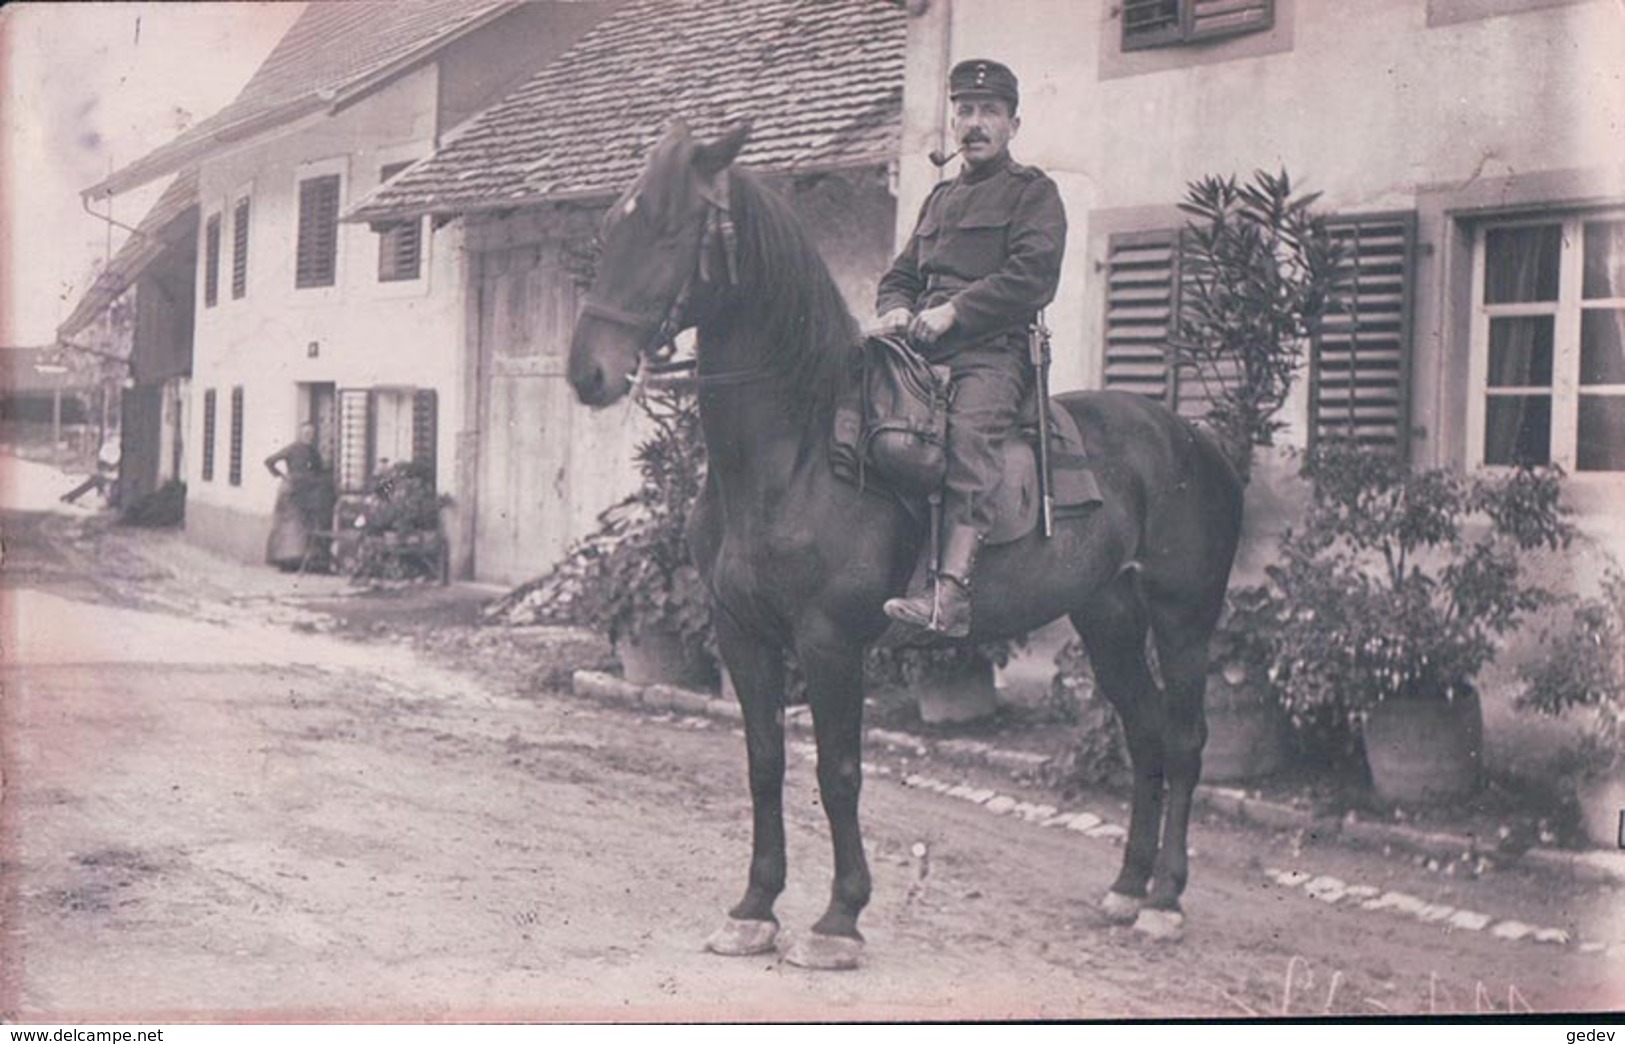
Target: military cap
(980,76)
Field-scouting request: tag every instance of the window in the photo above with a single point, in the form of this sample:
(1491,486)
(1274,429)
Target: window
(1167,23)
(211,261)
(239,249)
(1548,341)
(234,473)
(1358,365)
(208,435)
(400,246)
(317,252)
(383,426)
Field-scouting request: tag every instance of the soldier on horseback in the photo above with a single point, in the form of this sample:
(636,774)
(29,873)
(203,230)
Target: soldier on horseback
(984,258)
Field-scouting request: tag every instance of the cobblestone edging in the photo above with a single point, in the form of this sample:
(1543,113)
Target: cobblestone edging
(1596,867)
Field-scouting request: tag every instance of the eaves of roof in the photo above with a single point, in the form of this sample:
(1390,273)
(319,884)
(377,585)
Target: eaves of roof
(171,220)
(603,196)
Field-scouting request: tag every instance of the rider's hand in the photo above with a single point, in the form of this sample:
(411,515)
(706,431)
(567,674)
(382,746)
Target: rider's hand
(933,323)
(895,321)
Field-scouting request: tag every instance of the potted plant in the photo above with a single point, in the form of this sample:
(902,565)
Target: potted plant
(1389,602)
(1258,272)
(1581,673)
(397,525)
(1247,730)
(636,581)
(949,683)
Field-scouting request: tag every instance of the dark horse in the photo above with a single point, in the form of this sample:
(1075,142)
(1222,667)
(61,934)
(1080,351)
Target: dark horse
(797,560)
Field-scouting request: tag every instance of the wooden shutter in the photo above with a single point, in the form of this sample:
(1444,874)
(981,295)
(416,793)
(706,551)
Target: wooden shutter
(1211,19)
(234,473)
(1142,280)
(400,246)
(208,435)
(239,249)
(355,439)
(1150,23)
(425,420)
(211,261)
(1361,359)
(1146,282)
(1162,23)
(317,260)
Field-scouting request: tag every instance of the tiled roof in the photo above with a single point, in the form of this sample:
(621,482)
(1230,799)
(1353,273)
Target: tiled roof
(332,48)
(172,219)
(821,80)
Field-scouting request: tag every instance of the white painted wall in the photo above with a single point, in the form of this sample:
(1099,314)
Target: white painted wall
(1365,102)
(366,332)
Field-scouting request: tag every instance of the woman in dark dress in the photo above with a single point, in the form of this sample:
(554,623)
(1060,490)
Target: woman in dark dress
(304,504)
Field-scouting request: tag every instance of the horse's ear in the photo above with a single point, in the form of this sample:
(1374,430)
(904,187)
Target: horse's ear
(714,156)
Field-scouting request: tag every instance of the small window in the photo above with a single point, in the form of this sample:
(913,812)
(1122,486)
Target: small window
(239,249)
(208,435)
(400,246)
(383,426)
(1170,23)
(317,261)
(211,261)
(234,474)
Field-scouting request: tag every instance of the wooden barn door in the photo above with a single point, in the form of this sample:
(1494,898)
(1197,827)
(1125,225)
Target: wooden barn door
(527,313)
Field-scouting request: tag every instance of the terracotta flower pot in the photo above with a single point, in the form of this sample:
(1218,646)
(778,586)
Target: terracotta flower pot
(950,697)
(1425,750)
(1246,734)
(1602,806)
(656,656)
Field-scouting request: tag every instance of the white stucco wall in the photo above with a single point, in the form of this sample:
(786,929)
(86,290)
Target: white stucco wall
(1367,103)
(1363,102)
(365,332)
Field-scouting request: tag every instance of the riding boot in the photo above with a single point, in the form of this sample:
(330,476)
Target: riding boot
(945,608)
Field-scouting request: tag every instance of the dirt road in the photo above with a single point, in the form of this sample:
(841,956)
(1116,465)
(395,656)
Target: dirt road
(212,816)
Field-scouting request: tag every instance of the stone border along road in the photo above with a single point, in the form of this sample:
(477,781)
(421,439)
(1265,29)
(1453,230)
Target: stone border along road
(1597,867)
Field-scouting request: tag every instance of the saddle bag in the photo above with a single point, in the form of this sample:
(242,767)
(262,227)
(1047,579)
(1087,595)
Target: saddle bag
(899,426)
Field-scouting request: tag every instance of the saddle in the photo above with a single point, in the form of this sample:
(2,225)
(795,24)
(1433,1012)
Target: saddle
(890,436)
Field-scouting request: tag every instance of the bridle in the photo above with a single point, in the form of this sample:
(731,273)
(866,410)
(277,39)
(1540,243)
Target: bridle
(658,344)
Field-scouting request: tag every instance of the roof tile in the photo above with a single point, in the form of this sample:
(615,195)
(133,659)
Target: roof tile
(821,80)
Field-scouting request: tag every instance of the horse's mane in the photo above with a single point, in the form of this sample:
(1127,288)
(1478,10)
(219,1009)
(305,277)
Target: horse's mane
(788,301)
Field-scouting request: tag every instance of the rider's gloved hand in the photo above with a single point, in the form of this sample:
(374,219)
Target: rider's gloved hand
(932,323)
(895,321)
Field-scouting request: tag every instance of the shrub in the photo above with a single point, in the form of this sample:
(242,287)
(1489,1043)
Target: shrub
(1582,671)
(401,499)
(1399,585)
(1258,270)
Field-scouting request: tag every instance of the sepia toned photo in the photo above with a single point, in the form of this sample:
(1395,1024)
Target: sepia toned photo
(812,511)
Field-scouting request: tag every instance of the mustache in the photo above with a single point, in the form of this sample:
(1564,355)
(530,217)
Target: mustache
(975,136)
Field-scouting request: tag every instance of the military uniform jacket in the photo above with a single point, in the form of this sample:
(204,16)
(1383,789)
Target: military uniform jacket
(991,241)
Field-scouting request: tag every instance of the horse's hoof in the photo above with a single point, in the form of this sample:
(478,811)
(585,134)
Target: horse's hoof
(737,938)
(825,952)
(1161,925)
(1119,908)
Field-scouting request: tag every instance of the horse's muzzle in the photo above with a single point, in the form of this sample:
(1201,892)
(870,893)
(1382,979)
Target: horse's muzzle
(593,372)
